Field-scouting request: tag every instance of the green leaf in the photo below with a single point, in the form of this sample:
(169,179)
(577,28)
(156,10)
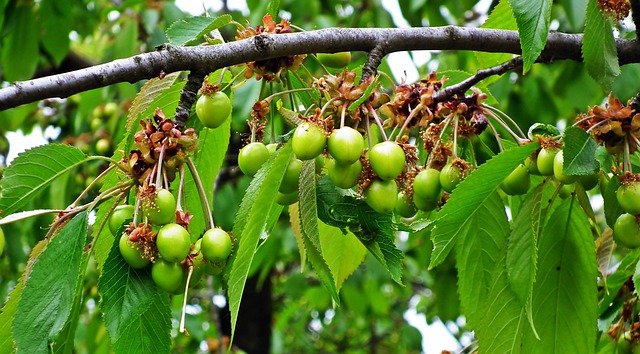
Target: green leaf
(504,318)
(343,252)
(20,49)
(127,297)
(149,332)
(575,10)
(250,222)
(564,299)
(522,253)
(187,31)
(579,153)
(532,17)
(478,250)
(615,281)
(309,226)
(604,251)
(500,18)
(294,218)
(599,47)
(50,290)
(274,5)
(374,230)
(32,171)
(365,95)
(466,200)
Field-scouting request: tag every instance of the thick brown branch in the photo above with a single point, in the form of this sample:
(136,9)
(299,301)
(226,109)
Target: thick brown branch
(210,58)
(188,97)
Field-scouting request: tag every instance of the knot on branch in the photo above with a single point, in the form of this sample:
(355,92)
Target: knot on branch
(262,43)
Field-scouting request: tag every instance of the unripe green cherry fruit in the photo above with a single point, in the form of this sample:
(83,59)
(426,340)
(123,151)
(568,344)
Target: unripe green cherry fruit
(517,182)
(335,60)
(426,184)
(252,157)
(290,181)
(558,170)
(566,190)
(545,160)
(532,165)
(213,109)
(130,252)
(285,199)
(167,275)
(216,245)
(345,145)
(387,160)
(381,196)
(120,214)
(308,141)
(628,196)
(425,204)
(344,176)
(272,147)
(626,231)
(110,109)
(173,242)
(103,146)
(450,176)
(589,182)
(1,240)
(404,206)
(162,209)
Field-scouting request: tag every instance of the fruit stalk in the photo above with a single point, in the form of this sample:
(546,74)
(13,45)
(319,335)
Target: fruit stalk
(203,196)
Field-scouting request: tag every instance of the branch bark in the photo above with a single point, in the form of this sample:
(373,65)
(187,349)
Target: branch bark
(170,59)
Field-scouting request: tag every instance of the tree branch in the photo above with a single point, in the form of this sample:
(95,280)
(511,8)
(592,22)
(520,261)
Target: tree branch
(170,59)
(635,14)
(463,86)
(188,98)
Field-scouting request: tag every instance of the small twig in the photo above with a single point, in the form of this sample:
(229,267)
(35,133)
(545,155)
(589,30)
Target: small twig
(373,62)
(463,86)
(188,98)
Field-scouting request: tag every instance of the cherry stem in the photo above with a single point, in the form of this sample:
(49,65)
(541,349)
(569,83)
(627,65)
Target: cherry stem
(597,125)
(93,183)
(515,136)
(582,120)
(203,196)
(368,128)
(635,139)
(160,158)
(378,120)
(136,211)
(302,89)
(343,114)
(180,187)
(184,301)
(409,118)
(327,105)
(522,134)
(496,134)
(626,159)
(455,137)
(221,75)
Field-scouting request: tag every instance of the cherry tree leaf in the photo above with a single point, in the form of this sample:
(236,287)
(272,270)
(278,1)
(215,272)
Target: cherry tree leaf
(32,171)
(343,252)
(187,31)
(579,153)
(250,222)
(501,17)
(466,201)
(599,49)
(533,18)
(564,299)
(50,290)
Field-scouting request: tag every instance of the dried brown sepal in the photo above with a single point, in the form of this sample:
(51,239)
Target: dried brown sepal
(548,142)
(270,69)
(628,178)
(618,10)
(145,240)
(609,125)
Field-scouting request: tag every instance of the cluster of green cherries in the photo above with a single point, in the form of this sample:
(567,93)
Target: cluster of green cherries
(344,168)
(169,250)
(626,230)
